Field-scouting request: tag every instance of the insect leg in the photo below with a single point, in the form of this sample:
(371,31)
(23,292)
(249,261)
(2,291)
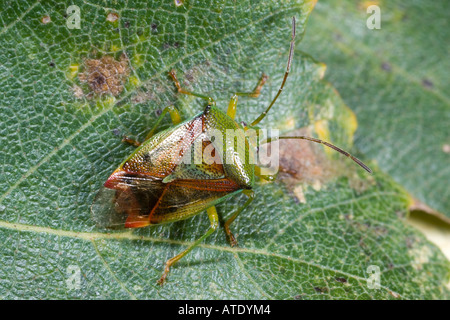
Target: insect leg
(184,91)
(231,112)
(131,141)
(214,219)
(174,116)
(251,195)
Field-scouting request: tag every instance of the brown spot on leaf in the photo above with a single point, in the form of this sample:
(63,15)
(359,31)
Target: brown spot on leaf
(106,75)
(386,66)
(152,91)
(427,83)
(179,3)
(337,37)
(341,279)
(46,19)
(305,162)
(394,294)
(112,17)
(321,289)
(302,161)
(77,91)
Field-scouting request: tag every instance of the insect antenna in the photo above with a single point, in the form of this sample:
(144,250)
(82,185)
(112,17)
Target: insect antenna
(332,146)
(291,53)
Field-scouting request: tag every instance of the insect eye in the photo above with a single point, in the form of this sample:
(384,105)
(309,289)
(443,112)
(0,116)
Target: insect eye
(208,107)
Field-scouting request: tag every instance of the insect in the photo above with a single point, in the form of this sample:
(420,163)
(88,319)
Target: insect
(160,182)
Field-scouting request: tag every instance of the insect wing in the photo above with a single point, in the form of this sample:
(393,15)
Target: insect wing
(136,197)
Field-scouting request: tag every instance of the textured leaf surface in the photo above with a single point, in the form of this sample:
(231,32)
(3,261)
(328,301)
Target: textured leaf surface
(300,239)
(397,81)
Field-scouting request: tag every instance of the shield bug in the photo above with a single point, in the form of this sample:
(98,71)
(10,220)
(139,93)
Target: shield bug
(181,171)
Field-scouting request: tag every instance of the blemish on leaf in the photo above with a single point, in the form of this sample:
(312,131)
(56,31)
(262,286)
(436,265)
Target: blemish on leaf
(321,128)
(394,294)
(46,19)
(321,289)
(421,255)
(169,45)
(137,60)
(112,17)
(386,66)
(153,90)
(337,37)
(302,161)
(115,48)
(321,70)
(134,81)
(73,71)
(341,279)
(77,91)
(178,3)
(106,75)
(288,124)
(426,83)
(409,241)
(446,148)
(361,185)
(316,185)
(298,191)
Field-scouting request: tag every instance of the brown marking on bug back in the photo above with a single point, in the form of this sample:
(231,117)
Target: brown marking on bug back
(106,75)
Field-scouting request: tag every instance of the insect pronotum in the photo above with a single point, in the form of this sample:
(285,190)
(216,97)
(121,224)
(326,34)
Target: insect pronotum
(156,185)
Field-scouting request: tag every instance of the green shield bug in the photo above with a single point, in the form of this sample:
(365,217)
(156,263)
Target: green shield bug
(181,171)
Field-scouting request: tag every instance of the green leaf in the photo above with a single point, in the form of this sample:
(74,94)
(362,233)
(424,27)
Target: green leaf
(397,81)
(315,233)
